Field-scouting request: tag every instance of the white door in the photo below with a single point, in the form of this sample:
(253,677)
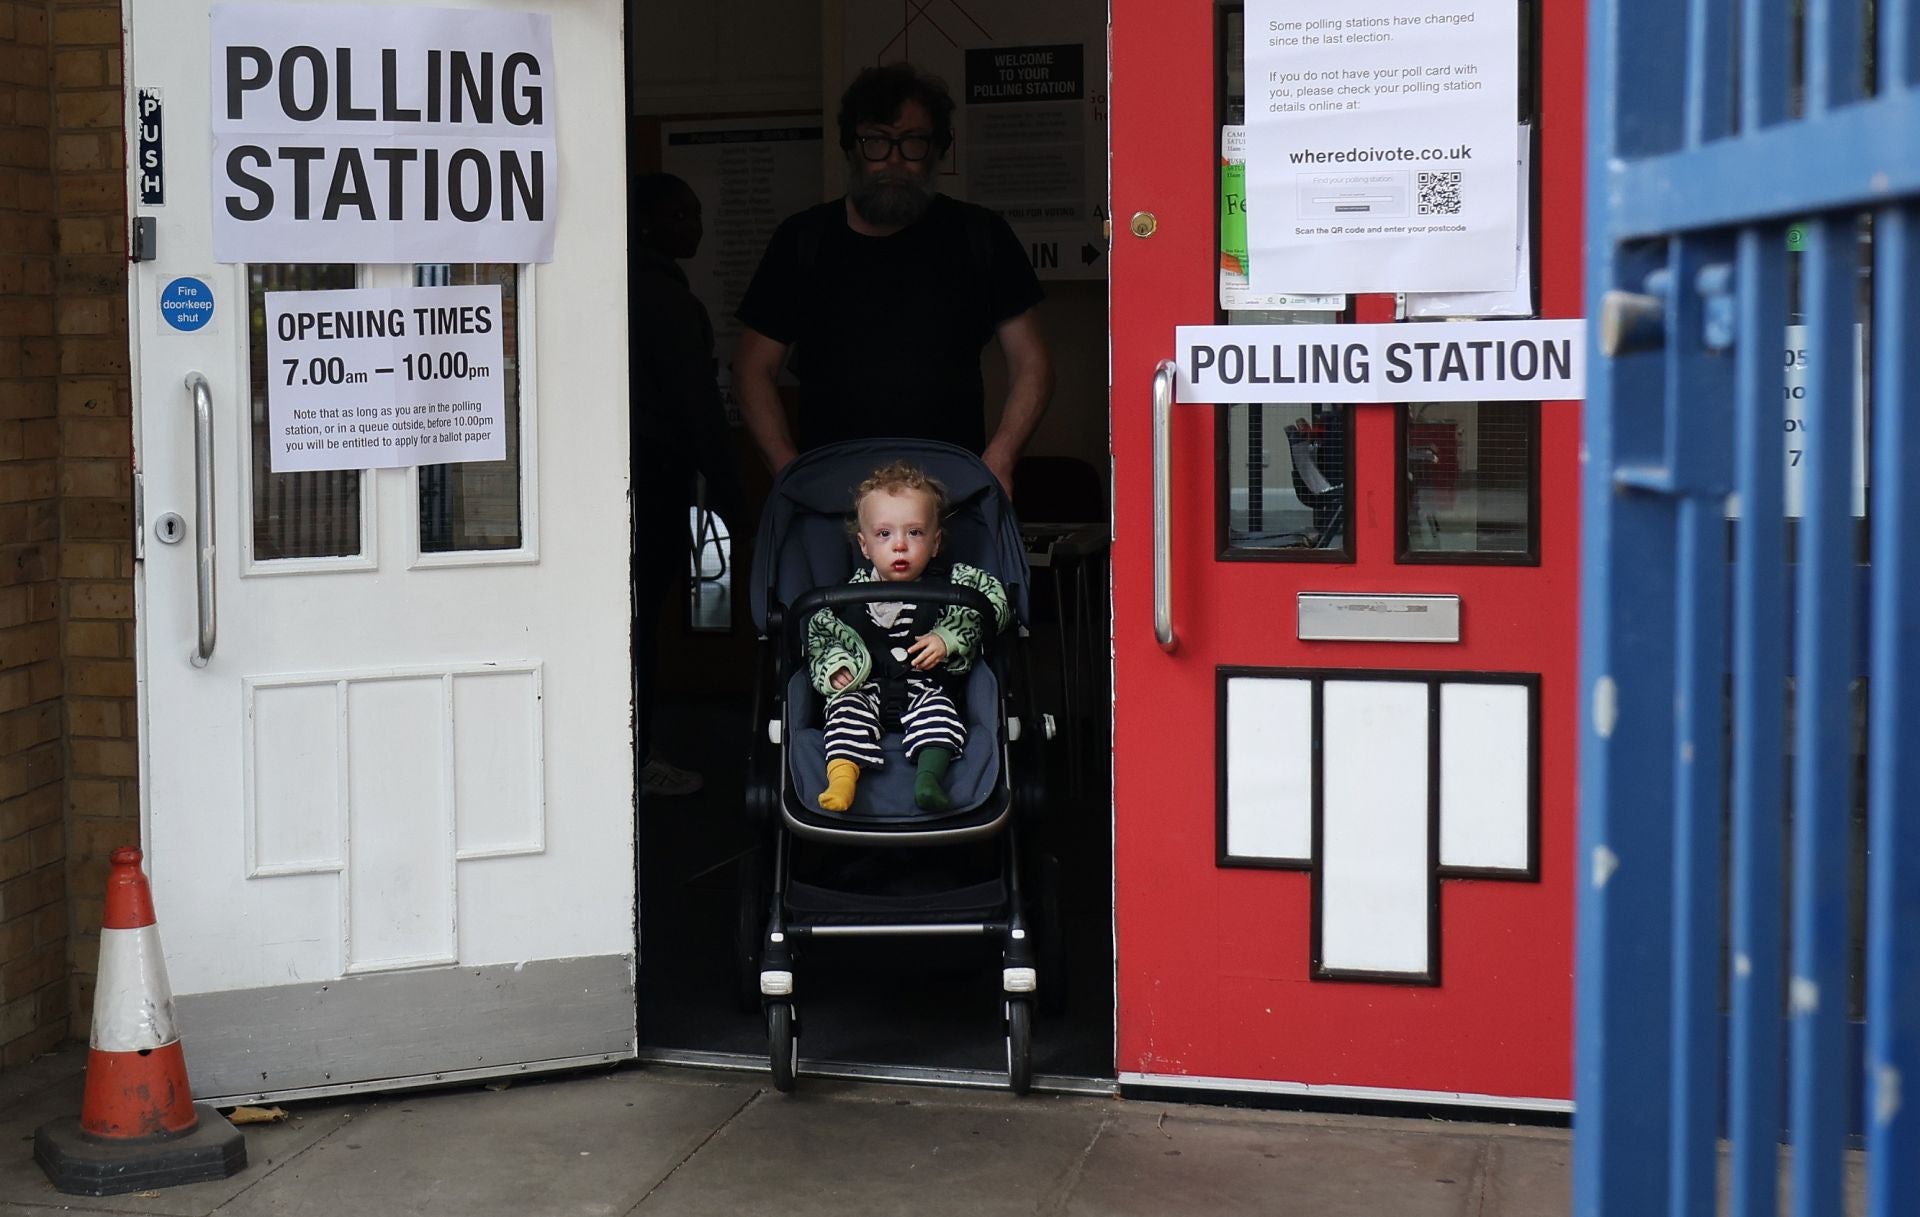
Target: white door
(389,819)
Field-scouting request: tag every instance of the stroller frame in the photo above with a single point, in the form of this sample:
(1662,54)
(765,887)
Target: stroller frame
(774,926)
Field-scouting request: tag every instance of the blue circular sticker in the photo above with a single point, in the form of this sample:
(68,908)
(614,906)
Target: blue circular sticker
(186,304)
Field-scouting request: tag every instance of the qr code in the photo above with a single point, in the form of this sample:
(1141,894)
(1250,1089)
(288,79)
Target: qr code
(1440,194)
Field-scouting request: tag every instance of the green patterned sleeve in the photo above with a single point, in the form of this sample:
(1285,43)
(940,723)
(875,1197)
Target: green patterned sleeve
(960,628)
(832,644)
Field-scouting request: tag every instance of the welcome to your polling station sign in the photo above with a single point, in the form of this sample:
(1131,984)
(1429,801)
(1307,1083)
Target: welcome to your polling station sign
(360,134)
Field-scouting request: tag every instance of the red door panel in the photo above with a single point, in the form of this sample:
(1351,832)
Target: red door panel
(1217,973)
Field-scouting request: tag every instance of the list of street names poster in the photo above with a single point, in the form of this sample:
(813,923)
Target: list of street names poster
(1380,144)
(748,175)
(379,378)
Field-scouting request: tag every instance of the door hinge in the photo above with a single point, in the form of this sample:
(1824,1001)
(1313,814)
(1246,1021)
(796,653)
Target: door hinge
(139,516)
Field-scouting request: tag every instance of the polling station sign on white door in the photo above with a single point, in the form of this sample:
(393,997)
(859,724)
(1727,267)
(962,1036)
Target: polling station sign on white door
(357,134)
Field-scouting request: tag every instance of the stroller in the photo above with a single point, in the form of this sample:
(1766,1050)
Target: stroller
(809,881)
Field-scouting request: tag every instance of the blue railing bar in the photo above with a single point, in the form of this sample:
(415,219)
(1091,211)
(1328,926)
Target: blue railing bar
(1823,719)
(1699,389)
(1647,113)
(1836,54)
(1899,51)
(1709,95)
(1759,683)
(1694,1069)
(1624,872)
(1862,156)
(1893,774)
(1623,879)
(1698,399)
(1766,49)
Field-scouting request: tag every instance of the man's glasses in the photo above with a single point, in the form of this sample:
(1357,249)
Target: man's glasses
(914,146)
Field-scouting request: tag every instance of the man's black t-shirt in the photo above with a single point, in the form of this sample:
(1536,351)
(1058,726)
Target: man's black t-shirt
(887,331)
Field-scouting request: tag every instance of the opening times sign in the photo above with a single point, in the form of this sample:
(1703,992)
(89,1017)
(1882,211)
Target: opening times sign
(374,378)
(353,134)
(1380,145)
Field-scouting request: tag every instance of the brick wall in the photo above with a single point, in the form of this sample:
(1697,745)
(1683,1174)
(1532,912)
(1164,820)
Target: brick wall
(68,763)
(94,401)
(33,910)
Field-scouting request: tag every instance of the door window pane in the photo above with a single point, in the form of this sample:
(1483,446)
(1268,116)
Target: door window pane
(1468,484)
(1288,480)
(312,514)
(475,505)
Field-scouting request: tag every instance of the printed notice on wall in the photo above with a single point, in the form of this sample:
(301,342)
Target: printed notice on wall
(1800,438)
(1030,111)
(1027,149)
(1380,144)
(748,175)
(374,378)
(350,134)
(1236,290)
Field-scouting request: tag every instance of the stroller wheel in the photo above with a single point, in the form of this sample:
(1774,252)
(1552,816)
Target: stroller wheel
(1019,1045)
(781,1044)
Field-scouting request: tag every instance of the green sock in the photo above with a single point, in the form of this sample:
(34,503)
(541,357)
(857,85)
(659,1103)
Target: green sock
(928,793)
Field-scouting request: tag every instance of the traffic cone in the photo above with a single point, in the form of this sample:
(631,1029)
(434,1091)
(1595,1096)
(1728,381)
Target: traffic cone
(139,1127)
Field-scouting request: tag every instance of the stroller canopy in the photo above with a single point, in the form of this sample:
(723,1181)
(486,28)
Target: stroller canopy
(803,541)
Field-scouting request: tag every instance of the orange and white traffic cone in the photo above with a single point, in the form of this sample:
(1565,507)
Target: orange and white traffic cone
(139,1127)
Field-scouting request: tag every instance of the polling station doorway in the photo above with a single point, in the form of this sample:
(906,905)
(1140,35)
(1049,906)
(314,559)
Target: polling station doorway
(738,101)
(385,760)
(1350,613)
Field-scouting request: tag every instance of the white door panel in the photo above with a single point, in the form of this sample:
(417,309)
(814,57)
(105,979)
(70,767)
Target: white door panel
(404,777)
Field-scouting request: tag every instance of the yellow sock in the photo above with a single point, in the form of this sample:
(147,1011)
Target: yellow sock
(842,776)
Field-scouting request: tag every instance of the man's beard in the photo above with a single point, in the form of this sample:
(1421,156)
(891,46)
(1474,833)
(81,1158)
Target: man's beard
(889,198)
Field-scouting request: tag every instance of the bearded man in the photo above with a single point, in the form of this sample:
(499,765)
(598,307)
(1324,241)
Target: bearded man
(888,295)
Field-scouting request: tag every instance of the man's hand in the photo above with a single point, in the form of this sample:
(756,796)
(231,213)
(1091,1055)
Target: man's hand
(756,367)
(840,679)
(1001,463)
(1029,385)
(926,652)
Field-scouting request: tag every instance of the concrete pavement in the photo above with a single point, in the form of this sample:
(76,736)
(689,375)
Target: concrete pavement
(657,1141)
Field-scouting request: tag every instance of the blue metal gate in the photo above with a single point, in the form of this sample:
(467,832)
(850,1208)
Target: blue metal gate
(1730,899)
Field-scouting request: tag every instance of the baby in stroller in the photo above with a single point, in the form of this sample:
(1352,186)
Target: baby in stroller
(891,663)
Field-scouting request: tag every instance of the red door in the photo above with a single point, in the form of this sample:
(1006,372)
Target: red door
(1343,852)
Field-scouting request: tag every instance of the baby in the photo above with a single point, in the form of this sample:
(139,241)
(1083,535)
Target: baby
(894,662)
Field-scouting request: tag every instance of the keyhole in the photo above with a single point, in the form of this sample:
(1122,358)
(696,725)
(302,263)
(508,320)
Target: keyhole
(170,528)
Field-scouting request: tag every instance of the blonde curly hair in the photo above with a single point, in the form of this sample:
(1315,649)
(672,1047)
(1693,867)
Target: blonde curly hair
(895,478)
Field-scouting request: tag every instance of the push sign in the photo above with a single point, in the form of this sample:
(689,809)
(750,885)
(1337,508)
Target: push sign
(186,305)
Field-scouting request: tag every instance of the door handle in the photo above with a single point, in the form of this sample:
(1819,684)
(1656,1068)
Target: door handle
(203,522)
(1163,507)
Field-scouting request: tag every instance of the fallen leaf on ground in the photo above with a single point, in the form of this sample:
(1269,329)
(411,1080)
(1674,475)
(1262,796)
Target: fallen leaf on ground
(257,1115)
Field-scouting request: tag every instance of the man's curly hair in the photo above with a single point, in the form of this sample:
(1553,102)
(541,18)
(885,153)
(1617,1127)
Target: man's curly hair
(878,94)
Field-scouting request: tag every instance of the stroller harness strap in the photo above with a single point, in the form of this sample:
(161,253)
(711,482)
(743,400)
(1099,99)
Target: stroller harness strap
(871,641)
(888,629)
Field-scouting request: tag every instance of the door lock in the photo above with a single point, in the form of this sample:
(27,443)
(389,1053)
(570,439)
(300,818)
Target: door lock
(170,528)
(1145,224)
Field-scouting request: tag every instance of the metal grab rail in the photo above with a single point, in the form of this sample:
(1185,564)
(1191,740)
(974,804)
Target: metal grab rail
(1163,507)
(203,523)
